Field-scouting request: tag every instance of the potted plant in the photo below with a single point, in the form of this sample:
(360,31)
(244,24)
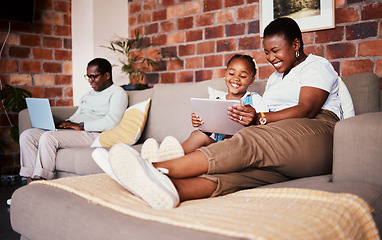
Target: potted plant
(12,100)
(133,62)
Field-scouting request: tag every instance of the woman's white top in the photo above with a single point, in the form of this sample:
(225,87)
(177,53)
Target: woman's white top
(281,93)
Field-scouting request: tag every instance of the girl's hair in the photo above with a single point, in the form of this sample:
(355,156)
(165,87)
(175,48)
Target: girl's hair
(103,65)
(249,59)
(284,26)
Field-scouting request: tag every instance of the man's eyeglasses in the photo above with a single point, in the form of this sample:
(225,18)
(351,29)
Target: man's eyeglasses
(92,77)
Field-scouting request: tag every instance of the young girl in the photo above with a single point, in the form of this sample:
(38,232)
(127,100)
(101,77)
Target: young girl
(240,73)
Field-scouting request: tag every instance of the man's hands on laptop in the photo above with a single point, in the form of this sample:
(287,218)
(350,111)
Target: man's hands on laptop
(69,125)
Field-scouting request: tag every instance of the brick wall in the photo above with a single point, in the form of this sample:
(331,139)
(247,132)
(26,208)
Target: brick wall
(37,57)
(206,33)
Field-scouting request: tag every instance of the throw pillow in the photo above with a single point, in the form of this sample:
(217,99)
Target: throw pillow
(129,130)
(214,94)
(346,101)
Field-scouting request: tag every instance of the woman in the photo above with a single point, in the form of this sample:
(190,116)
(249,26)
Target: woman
(293,140)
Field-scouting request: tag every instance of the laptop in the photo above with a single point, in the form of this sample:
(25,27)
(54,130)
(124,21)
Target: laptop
(40,113)
(214,115)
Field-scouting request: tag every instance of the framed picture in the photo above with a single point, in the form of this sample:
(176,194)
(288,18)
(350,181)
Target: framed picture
(310,15)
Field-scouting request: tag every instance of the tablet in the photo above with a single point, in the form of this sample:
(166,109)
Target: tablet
(214,115)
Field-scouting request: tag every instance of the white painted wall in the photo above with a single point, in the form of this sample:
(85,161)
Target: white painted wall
(95,23)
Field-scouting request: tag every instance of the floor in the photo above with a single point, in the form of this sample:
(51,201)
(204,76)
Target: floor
(8,185)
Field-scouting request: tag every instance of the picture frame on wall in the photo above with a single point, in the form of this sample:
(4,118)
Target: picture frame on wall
(310,15)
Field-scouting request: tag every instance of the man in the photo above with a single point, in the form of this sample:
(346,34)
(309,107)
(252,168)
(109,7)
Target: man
(100,109)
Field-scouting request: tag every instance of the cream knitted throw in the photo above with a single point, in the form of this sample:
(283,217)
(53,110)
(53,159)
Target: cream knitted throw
(274,213)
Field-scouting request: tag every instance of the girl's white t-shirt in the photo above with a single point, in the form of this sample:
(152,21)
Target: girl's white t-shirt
(281,93)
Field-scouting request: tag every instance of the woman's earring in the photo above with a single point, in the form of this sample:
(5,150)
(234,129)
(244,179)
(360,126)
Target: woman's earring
(297,54)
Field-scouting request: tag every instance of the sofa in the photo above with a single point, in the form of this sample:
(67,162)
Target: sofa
(42,212)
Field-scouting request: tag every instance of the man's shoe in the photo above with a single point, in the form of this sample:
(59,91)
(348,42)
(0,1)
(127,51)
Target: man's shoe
(140,177)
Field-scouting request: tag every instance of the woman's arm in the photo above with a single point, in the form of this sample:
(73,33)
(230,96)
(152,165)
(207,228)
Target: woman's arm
(311,100)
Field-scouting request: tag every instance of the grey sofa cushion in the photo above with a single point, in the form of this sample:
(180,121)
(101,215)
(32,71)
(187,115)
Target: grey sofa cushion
(366,92)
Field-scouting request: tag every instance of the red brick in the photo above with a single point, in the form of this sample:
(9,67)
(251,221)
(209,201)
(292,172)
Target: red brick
(43,80)
(372,11)
(167,26)
(4,79)
(205,47)
(175,38)
(265,71)
(63,79)
(336,66)
(19,52)
(350,67)
(53,92)
(204,20)
(308,38)
(331,35)
(8,65)
(67,43)
(167,3)
(144,18)
(134,7)
(62,30)
(37,92)
(185,76)
(52,67)
(231,3)
(370,48)
(186,50)
(258,55)
(64,102)
(151,78)
(226,45)
(211,5)
(214,32)
(133,20)
(194,35)
(362,30)
(192,8)
(46,29)
(52,17)
(152,53)
(159,40)
(68,92)
(149,4)
(30,40)
(134,30)
(314,49)
(175,11)
(21,79)
(378,67)
(168,77)
(185,23)
(67,19)
(160,15)
(30,66)
(61,6)
(41,53)
(175,65)
(213,61)
(234,29)
(247,13)
(151,29)
(219,73)
(253,27)
(13,38)
(62,55)
(344,15)
(67,67)
(46,5)
(194,63)
(340,3)
(249,43)
(203,75)
(52,42)
(341,50)
(224,16)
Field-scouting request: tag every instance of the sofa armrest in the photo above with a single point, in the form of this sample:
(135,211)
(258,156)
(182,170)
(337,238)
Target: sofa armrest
(357,149)
(59,114)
